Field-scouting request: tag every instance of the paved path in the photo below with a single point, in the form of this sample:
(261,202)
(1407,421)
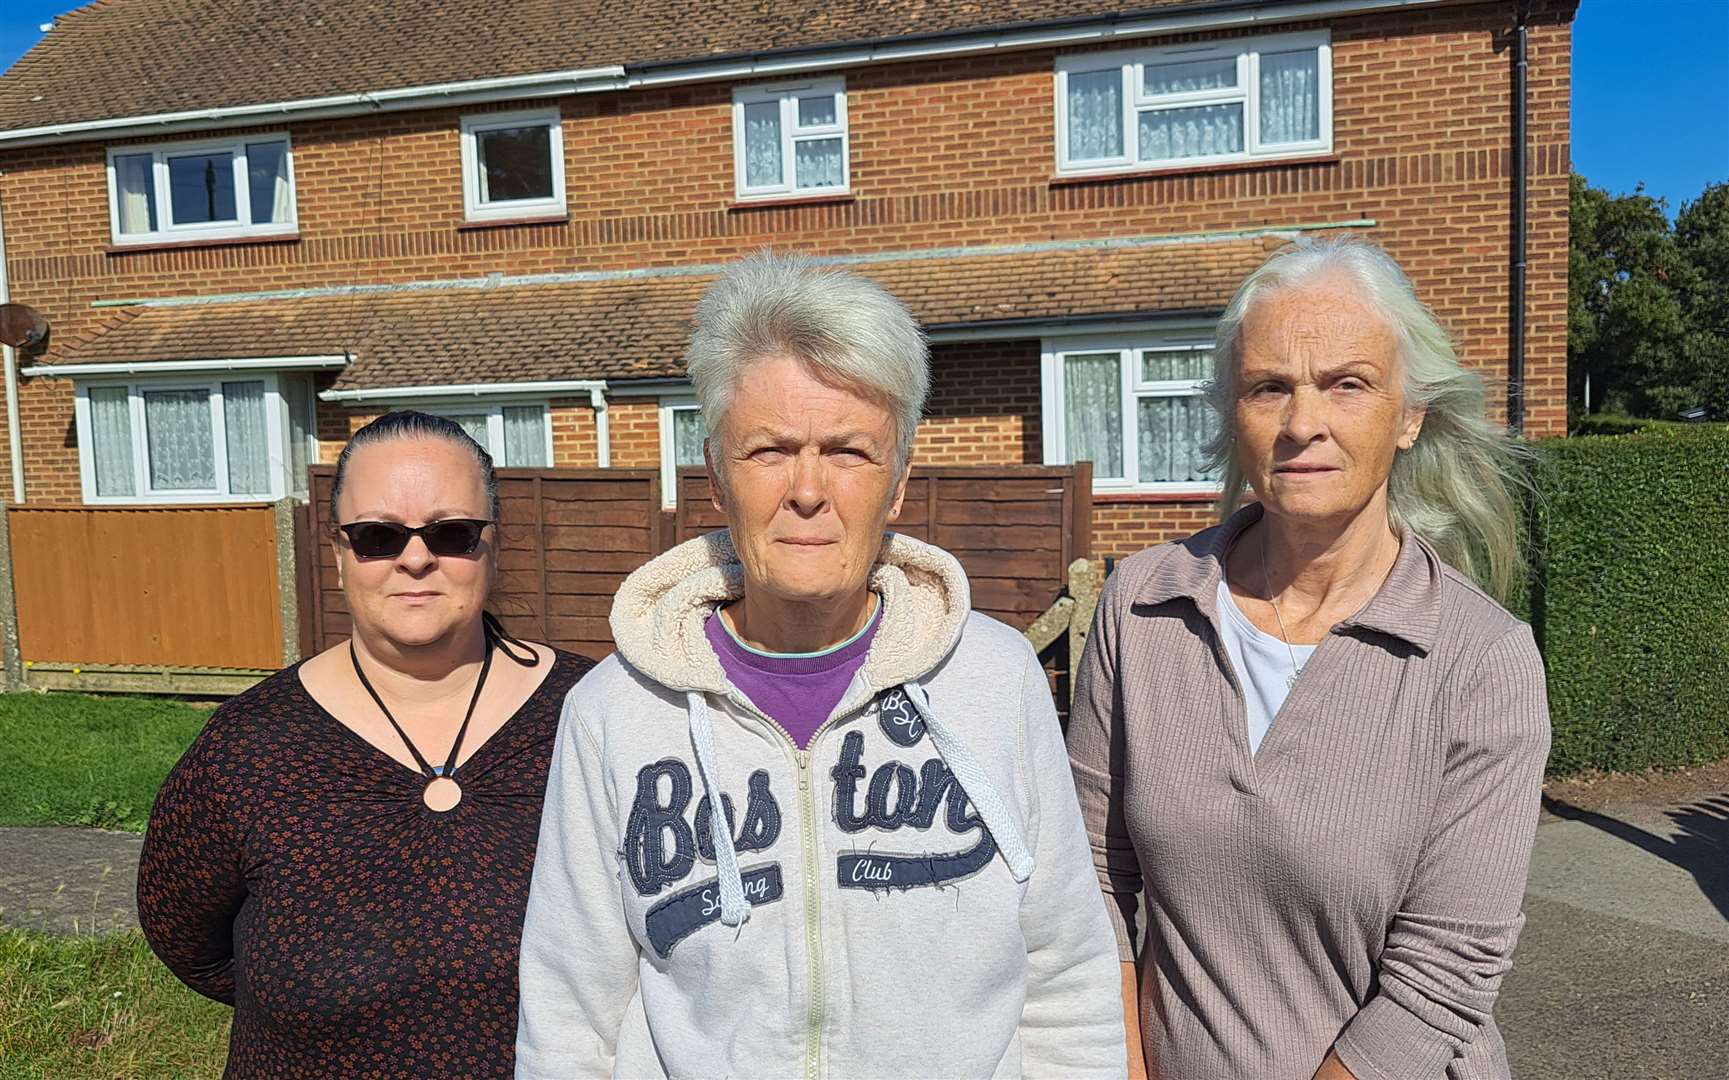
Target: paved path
(1622,970)
(69,880)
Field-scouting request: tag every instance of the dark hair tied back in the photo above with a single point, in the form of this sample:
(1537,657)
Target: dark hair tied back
(410,424)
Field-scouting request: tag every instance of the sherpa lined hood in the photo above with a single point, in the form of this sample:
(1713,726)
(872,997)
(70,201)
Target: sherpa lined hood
(659,612)
(657,621)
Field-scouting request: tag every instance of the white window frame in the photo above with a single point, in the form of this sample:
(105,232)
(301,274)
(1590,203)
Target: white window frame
(791,133)
(493,408)
(668,467)
(168,232)
(276,433)
(473,208)
(1247,51)
(1129,346)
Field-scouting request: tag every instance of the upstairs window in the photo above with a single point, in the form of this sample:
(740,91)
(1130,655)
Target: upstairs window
(512,165)
(790,139)
(230,189)
(1134,407)
(1245,100)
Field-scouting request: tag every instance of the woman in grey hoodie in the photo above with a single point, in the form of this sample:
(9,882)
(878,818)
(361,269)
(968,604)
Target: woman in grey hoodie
(897,882)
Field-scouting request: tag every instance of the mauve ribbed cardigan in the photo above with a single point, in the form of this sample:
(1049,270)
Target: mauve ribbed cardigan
(1356,884)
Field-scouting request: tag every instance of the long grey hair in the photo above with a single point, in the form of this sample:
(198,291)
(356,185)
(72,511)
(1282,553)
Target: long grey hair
(1458,486)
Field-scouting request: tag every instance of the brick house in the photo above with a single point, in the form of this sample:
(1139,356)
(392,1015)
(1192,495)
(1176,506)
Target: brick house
(255,226)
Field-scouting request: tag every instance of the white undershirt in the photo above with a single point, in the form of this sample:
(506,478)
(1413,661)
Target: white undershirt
(1262,663)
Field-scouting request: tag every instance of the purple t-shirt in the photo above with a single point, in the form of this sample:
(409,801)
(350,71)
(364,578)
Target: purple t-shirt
(797,690)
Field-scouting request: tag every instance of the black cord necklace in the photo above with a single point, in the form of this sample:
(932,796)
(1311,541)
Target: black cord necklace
(442,793)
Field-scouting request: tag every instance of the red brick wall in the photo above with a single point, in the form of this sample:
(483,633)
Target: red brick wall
(955,151)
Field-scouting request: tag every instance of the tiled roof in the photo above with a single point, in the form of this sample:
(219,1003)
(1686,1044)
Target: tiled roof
(119,58)
(637,327)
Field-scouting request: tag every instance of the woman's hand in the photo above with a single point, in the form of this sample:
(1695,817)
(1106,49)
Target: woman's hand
(1334,1069)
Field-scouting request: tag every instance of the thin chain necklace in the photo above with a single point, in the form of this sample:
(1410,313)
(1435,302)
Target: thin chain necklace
(1272,598)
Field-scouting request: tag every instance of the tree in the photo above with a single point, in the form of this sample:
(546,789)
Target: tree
(1648,305)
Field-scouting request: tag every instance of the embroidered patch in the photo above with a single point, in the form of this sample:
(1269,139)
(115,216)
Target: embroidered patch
(689,910)
(900,721)
(654,821)
(874,870)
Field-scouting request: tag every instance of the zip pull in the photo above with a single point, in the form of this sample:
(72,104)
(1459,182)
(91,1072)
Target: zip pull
(803,759)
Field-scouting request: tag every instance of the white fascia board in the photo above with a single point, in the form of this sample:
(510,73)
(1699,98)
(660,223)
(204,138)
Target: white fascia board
(1080,33)
(181,367)
(617,77)
(472,92)
(594,388)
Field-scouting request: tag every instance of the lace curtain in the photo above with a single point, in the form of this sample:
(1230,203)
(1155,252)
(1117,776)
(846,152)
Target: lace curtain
(1095,114)
(1172,432)
(1198,131)
(762,160)
(1093,411)
(688,432)
(817,163)
(1290,97)
(297,395)
(525,437)
(248,447)
(179,440)
(111,431)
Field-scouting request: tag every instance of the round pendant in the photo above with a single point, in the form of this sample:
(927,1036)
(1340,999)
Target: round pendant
(442,794)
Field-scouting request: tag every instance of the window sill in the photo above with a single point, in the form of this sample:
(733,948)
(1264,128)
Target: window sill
(472,224)
(791,200)
(225,241)
(1065,180)
(1108,498)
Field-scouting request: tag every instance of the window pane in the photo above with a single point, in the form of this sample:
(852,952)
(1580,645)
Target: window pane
(248,446)
(201,188)
(688,432)
(178,440)
(819,163)
(1203,131)
(1093,411)
(1291,96)
(1172,432)
(1163,366)
(297,393)
(525,437)
(1095,114)
(1188,76)
(135,192)
(475,425)
(813,111)
(515,163)
(111,432)
(762,161)
(267,180)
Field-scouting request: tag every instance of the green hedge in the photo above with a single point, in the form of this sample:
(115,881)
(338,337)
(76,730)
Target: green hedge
(1613,424)
(1633,604)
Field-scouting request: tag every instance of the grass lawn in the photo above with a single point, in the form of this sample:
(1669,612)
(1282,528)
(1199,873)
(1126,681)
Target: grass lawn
(69,759)
(101,1007)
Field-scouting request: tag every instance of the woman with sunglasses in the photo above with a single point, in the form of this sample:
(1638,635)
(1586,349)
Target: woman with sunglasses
(343,855)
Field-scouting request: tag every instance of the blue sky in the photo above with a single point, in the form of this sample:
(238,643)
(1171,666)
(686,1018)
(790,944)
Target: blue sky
(1650,89)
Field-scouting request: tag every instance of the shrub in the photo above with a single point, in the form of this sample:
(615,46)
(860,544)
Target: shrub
(1633,609)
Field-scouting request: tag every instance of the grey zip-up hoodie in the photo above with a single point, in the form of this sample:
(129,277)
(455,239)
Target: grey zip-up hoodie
(911,896)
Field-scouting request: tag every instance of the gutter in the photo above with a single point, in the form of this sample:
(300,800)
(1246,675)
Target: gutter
(14,437)
(594,388)
(1224,15)
(159,367)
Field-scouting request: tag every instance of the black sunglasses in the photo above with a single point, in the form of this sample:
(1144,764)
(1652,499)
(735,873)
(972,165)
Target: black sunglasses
(386,539)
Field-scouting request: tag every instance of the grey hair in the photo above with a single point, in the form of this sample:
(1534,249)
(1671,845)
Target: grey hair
(1458,486)
(843,327)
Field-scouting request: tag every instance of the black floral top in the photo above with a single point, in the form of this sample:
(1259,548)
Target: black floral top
(291,870)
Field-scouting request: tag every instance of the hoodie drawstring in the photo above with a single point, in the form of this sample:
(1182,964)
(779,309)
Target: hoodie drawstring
(733,909)
(976,784)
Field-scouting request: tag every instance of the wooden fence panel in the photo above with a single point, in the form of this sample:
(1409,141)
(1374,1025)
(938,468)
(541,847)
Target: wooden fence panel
(1014,528)
(569,538)
(193,586)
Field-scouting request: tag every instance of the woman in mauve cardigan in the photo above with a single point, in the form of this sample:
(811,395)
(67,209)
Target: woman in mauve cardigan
(1309,733)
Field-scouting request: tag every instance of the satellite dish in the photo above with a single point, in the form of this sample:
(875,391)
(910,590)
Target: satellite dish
(22,326)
